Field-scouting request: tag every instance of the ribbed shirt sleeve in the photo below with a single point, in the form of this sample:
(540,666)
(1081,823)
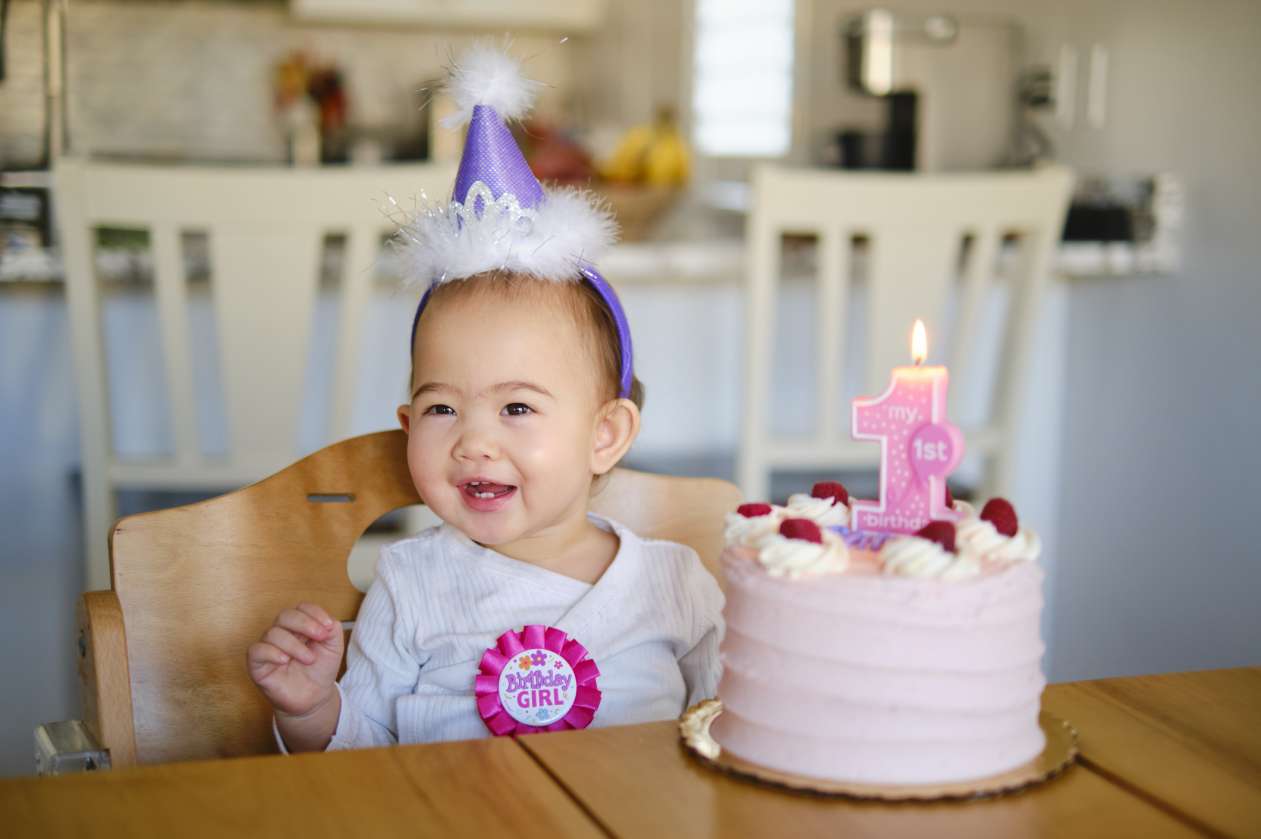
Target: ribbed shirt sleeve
(381,664)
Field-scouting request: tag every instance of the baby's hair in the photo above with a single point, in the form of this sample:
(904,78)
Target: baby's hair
(577,299)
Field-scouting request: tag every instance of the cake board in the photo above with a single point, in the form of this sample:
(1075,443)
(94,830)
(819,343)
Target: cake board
(1060,753)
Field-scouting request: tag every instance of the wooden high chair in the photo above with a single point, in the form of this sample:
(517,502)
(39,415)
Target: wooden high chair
(162,653)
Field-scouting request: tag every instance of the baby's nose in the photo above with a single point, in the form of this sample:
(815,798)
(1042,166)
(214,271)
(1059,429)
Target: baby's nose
(477,444)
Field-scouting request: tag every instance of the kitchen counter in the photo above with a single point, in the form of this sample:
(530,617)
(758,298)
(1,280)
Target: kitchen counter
(719,261)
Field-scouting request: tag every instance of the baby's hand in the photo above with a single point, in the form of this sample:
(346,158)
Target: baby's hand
(295,663)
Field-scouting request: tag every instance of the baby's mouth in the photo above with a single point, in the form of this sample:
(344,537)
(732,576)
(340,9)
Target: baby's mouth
(486,489)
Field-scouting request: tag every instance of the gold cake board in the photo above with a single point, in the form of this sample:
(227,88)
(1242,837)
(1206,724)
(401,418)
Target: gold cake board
(1059,754)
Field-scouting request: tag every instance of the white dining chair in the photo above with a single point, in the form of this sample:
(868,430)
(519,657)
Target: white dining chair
(903,246)
(266,230)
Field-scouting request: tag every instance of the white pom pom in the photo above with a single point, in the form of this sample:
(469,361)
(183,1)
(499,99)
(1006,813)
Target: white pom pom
(569,228)
(486,75)
(572,227)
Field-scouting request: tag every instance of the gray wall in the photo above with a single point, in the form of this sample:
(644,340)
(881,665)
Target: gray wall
(1160,566)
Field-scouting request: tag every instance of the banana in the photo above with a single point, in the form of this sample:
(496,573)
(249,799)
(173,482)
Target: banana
(653,154)
(667,160)
(627,160)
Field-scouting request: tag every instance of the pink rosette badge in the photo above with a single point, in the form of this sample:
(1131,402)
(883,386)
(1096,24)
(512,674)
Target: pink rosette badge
(538,679)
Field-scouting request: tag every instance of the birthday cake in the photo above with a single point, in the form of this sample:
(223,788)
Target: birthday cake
(879,657)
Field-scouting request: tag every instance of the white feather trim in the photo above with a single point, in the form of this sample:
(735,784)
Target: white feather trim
(443,242)
(486,75)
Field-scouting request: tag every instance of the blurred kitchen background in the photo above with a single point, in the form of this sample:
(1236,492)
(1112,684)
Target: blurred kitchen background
(1136,462)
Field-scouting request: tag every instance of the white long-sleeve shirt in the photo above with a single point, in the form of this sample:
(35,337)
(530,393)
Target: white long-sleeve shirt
(652,623)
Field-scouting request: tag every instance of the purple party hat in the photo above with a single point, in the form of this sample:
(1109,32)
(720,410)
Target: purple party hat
(492,157)
(500,217)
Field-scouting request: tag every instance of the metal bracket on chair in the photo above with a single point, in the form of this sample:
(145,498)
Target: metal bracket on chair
(67,746)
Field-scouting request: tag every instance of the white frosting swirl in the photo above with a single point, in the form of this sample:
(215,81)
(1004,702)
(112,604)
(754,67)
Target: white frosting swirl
(962,568)
(911,556)
(792,558)
(978,537)
(741,530)
(825,512)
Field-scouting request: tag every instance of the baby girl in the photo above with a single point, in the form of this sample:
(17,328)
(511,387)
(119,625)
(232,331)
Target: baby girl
(523,397)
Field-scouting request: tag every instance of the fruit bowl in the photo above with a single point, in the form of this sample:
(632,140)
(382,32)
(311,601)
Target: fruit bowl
(637,207)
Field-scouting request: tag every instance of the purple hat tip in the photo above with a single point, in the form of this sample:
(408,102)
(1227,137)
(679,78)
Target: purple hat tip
(491,155)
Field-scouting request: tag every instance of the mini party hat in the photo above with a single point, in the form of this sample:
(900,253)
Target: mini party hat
(500,217)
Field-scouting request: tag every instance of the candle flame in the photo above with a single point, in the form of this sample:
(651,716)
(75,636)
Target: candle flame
(919,342)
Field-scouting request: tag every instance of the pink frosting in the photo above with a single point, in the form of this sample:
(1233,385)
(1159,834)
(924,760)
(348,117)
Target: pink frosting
(880,679)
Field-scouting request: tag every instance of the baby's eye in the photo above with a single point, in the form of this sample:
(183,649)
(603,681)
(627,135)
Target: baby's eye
(518,409)
(440,410)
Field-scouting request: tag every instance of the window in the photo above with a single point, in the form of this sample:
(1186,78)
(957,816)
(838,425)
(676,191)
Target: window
(743,68)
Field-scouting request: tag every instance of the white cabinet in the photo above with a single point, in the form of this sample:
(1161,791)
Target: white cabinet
(568,15)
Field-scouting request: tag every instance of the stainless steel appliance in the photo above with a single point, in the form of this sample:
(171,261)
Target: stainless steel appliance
(948,86)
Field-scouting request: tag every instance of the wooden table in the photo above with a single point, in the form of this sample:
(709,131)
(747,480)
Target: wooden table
(1188,742)
(1172,755)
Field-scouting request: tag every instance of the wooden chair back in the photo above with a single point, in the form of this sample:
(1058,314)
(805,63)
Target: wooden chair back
(163,651)
(905,247)
(265,230)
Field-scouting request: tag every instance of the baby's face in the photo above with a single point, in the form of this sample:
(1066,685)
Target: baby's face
(503,421)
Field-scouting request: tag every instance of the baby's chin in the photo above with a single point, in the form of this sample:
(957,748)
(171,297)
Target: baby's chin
(488,529)
(489,534)
(504,525)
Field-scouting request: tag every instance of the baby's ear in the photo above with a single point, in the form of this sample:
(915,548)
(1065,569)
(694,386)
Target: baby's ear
(405,418)
(617,426)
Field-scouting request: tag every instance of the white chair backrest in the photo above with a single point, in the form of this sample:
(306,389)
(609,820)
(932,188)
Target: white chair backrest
(265,230)
(931,245)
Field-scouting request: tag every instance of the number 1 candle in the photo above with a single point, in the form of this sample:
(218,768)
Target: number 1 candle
(918,447)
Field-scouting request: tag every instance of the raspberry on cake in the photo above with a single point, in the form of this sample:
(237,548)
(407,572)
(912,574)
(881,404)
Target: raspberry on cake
(1000,513)
(996,535)
(803,529)
(827,504)
(831,489)
(752,522)
(941,532)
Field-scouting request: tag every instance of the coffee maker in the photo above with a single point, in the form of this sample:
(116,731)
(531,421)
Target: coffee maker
(946,86)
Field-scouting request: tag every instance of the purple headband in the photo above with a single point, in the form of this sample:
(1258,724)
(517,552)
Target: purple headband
(592,276)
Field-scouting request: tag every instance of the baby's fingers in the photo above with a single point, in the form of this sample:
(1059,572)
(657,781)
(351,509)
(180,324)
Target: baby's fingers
(263,659)
(289,644)
(264,653)
(300,623)
(318,613)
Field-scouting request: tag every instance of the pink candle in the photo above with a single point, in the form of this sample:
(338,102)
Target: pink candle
(918,447)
